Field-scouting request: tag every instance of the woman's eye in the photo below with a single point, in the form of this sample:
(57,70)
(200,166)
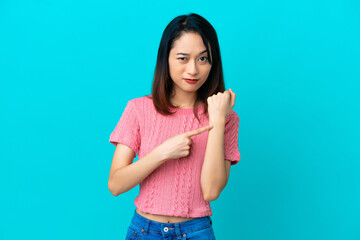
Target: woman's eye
(203,59)
(182,58)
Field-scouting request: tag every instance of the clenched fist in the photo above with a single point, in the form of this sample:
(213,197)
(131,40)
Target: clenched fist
(220,105)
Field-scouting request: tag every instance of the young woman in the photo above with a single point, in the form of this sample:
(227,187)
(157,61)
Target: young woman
(185,134)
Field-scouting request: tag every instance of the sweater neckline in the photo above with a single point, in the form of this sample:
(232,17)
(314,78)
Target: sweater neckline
(183,111)
(186,111)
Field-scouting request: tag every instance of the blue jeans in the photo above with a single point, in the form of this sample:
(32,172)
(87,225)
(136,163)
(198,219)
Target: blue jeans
(144,228)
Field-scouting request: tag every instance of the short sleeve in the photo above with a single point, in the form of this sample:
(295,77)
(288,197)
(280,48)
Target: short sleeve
(231,148)
(127,130)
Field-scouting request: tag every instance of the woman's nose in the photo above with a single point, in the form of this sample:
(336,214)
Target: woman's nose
(192,68)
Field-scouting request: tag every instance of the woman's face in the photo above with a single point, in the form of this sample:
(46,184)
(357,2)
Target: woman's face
(188,59)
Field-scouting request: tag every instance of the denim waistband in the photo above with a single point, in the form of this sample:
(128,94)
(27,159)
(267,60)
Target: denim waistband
(170,229)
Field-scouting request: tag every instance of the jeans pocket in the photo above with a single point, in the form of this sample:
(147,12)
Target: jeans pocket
(204,233)
(133,233)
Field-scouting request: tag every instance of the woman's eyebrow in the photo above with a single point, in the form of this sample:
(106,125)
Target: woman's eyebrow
(186,54)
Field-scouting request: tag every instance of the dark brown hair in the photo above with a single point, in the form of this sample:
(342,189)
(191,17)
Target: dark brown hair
(162,87)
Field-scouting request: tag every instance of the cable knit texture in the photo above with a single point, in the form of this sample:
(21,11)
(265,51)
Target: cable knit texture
(173,188)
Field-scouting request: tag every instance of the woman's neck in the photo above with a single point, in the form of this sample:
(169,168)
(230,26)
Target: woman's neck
(184,101)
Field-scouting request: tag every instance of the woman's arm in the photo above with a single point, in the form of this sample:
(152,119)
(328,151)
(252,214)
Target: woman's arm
(125,175)
(215,171)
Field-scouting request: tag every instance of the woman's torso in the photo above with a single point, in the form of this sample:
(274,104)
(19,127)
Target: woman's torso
(162,218)
(182,176)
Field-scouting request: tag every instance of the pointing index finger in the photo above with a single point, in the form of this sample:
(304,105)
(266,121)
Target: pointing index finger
(198,131)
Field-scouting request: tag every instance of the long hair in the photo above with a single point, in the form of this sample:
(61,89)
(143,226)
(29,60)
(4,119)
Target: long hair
(162,87)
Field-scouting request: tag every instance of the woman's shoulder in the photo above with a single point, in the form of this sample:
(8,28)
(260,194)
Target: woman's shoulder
(140,100)
(140,104)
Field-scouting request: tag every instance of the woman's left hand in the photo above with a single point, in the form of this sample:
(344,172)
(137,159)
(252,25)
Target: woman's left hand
(220,105)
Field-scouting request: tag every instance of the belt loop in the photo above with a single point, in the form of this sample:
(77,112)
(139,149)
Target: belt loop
(210,219)
(145,228)
(178,230)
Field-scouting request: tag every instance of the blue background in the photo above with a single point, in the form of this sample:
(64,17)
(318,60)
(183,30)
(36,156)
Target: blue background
(68,68)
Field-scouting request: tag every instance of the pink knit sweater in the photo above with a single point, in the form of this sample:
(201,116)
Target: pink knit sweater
(173,188)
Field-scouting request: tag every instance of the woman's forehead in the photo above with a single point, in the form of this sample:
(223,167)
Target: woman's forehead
(189,39)
(189,43)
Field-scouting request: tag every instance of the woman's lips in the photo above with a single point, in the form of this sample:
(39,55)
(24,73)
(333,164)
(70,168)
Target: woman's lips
(189,80)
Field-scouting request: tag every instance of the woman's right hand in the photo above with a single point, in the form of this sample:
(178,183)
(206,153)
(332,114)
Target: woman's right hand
(179,145)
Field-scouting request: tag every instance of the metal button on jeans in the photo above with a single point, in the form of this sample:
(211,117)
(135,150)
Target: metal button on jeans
(166,229)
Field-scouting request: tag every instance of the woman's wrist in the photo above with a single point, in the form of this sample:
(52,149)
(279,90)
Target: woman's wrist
(159,155)
(218,121)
